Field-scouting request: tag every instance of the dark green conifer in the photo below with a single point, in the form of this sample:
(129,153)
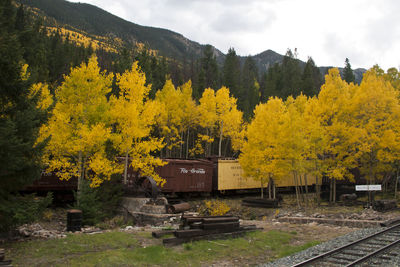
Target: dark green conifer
(348,74)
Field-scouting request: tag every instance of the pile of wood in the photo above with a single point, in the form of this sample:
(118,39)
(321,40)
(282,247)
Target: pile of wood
(205,228)
(384,204)
(349,199)
(260,202)
(4,263)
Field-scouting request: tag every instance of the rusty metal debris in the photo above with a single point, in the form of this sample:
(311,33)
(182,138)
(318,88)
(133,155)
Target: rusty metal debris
(178,207)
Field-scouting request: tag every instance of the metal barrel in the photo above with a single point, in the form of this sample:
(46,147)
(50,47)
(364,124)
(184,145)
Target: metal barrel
(74,220)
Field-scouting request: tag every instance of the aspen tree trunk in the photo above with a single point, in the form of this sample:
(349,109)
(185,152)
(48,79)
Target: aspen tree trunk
(395,185)
(220,139)
(296,183)
(334,190)
(80,177)
(274,191)
(318,190)
(330,190)
(269,189)
(301,188)
(262,188)
(181,152)
(306,187)
(126,167)
(187,143)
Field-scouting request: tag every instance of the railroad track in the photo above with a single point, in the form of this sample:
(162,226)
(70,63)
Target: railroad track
(375,249)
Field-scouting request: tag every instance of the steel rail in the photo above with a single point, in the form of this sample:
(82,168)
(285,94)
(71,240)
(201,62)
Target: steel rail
(370,255)
(303,263)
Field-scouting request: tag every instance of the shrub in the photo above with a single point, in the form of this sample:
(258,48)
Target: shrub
(16,210)
(99,203)
(214,208)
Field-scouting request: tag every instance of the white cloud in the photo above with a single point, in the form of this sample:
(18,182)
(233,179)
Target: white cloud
(365,31)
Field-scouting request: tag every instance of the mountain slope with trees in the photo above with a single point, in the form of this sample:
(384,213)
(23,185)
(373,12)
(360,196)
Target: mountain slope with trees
(98,22)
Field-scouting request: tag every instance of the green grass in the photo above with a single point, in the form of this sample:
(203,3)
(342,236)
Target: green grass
(122,249)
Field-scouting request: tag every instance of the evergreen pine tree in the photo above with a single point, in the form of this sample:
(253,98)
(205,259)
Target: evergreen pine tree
(19,117)
(249,93)
(311,79)
(291,76)
(348,74)
(208,75)
(232,72)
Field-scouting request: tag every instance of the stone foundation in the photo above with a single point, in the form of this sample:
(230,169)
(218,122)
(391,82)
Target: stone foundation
(147,211)
(338,222)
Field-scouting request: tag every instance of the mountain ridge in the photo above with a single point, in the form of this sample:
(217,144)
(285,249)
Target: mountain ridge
(97,21)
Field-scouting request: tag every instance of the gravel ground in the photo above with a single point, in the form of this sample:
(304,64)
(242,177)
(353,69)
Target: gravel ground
(324,247)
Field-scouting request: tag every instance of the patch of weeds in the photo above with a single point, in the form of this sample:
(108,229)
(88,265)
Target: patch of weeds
(115,222)
(293,232)
(122,249)
(188,246)
(294,249)
(167,228)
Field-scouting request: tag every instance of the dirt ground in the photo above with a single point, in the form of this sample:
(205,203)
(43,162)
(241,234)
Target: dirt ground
(54,221)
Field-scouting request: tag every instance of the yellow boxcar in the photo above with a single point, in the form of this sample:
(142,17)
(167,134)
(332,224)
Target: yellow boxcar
(230,177)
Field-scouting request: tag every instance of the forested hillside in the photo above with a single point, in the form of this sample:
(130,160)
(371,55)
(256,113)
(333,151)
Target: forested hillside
(75,103)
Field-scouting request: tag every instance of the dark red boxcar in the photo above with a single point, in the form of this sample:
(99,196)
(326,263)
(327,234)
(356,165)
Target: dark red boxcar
(186,175)
(51,182)
(182,176)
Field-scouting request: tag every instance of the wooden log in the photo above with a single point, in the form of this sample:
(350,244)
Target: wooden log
(225,225)
(158,234)
(178,241)
(219,220)
(200,232)
(260,200)
(4,263)
(179,207)
(390,222)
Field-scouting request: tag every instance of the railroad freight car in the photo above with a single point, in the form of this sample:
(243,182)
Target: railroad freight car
(182,176)
(228,175)
(51,182)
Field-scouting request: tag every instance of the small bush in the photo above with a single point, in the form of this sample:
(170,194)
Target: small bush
(214,208)
(18,210)
(99,203)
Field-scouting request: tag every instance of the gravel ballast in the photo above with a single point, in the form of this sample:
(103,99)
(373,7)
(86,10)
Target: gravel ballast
(327,246)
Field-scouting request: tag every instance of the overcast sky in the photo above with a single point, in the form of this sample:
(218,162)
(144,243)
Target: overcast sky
(365,31)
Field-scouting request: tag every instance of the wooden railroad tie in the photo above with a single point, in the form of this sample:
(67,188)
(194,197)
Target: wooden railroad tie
(205,228)
(260,202)
(4,263)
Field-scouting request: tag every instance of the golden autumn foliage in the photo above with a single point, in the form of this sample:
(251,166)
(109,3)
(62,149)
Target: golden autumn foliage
(87,40)
(79,126)
(347,126)
(220,117)
(135,114)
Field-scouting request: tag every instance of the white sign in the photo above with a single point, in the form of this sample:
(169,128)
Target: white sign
(369,187)
(193,170)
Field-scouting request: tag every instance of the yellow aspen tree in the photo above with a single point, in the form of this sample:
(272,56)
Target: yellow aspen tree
(316,143)
(294,144)
(344,141)
(261,157)
(78,126)
(42,92)
(229,118)
(190,115)
(207,117)
(170,119)
(134,115)
(375,110)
